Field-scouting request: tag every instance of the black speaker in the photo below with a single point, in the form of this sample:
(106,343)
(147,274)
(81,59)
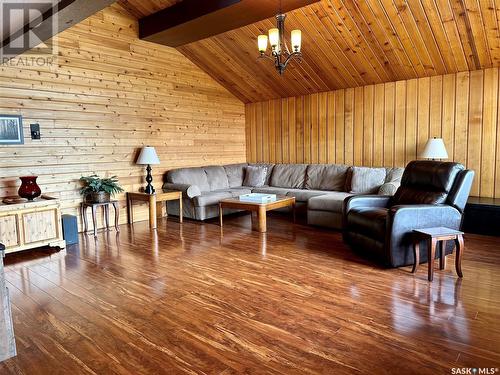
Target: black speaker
(70,229)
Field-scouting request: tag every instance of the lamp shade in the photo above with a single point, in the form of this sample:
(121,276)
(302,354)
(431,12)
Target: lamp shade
(262,43)
(274,38)
(296,37)
(148,156)
(434,149)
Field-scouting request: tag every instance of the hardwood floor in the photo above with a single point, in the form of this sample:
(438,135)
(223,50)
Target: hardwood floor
(296,300)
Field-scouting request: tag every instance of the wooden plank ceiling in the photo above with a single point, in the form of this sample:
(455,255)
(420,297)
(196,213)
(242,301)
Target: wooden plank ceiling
(349,43)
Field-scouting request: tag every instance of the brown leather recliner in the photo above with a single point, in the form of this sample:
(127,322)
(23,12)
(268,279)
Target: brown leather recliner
(431,194)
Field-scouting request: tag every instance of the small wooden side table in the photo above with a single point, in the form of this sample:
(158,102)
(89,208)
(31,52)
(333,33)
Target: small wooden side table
(438,236)
(155,202)
(105,206)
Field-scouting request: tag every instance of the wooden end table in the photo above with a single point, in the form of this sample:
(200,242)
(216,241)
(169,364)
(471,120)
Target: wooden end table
(155,202)
(105,206)
(259,208)
(438,236)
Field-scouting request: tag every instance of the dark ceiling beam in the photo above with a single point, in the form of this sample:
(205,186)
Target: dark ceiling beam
(68,13)
(193,20)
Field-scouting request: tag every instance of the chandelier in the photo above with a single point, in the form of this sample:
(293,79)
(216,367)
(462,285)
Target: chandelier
(280,53)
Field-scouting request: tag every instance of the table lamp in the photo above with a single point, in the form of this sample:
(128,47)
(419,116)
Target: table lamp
(434,149)
(148,157)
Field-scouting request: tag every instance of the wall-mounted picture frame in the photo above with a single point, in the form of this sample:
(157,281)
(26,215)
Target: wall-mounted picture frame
(11,130)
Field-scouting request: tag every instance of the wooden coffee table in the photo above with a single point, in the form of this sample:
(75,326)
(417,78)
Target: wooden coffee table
(259,208)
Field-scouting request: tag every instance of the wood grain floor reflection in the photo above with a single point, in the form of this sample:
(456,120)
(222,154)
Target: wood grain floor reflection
(191,299)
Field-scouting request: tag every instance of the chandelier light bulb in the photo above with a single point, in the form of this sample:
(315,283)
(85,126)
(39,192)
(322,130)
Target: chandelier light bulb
(296,37)
(262,43)
(274,38)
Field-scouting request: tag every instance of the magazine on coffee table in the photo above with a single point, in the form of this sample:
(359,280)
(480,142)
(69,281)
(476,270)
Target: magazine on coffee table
(258,198)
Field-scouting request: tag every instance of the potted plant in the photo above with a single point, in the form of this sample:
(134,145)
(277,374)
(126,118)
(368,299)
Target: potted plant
(99,190)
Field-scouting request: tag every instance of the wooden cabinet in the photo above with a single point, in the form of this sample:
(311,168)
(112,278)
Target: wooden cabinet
(32,224)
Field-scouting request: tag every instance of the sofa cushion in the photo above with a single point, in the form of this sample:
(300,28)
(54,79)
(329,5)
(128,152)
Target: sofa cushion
(389,188)
(330,177)
(271,190)
(333,201)
(394,174)
(368,221)
(237,191)
(217,178)
(367,180)
(289,175)
(189,176)
(303,195)
(208,198)
(235,174)
(255,175)
(270,168)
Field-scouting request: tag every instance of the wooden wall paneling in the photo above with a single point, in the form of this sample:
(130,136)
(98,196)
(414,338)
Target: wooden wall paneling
(358,126)
(423,113)
(489,130)
(323,126)
(435,106)
(497,161)
(271,132)
(299,127)
(259,140)
(400,123)
(314,124)
(448,114)
(331,127)
(389,124)
(285,131)
(368,110)
(475,125)
(389,112)
(339,126)
(307,129)
(461,117)
(378,125)
(266,123)
(411,120)
(292,130)
(277,131)
(349,126)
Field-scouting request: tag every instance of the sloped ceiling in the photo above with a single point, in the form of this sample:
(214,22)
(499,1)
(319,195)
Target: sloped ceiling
(348,43)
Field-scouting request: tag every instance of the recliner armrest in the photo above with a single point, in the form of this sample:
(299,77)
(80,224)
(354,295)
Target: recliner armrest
(375,201)
(419,216)
(189,191)
(380,201)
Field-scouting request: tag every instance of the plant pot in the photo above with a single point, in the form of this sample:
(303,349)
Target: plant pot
(29,188)
(100,197)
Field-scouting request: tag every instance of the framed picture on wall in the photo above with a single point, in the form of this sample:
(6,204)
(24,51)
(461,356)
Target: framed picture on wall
(11,130)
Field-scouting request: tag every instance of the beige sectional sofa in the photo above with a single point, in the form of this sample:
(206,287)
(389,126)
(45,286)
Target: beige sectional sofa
(320,188)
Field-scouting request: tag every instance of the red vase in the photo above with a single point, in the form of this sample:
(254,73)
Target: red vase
(29,189)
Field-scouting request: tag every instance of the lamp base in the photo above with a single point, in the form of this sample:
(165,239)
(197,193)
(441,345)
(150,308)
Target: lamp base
(149,178)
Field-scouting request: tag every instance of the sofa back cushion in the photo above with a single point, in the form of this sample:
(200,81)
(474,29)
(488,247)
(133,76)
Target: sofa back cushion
(217,178)
(366,180)
(255,176)
(269,167)
(289,175)
(394,174)
(329,177)
(426,182)
(189,176)
(235,174)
